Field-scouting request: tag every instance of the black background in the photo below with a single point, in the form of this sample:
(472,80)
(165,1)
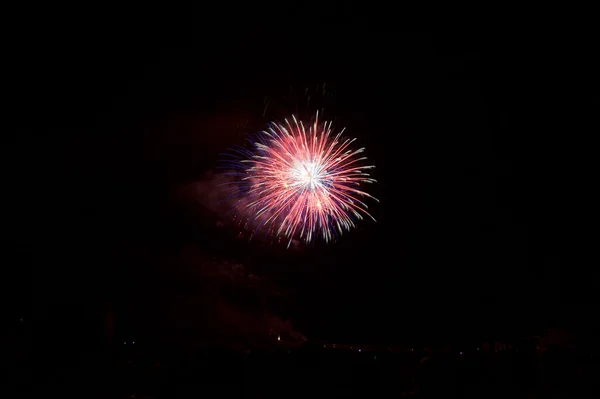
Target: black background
(472,135)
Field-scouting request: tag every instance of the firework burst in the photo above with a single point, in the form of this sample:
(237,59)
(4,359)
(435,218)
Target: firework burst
(298,181)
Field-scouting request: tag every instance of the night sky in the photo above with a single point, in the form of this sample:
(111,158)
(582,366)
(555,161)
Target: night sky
(120,121)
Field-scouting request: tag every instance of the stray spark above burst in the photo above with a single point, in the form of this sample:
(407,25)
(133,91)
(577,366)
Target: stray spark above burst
(299,182)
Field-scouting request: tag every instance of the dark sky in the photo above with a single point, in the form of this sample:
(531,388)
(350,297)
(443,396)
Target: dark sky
(117,113)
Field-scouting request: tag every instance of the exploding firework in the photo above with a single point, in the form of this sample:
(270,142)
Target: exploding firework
(298,181)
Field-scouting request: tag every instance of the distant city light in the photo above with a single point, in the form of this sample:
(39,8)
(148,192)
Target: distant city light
(124,343)
(477,348)
(359,350)
(133,342)
(461,353)
(278,338)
